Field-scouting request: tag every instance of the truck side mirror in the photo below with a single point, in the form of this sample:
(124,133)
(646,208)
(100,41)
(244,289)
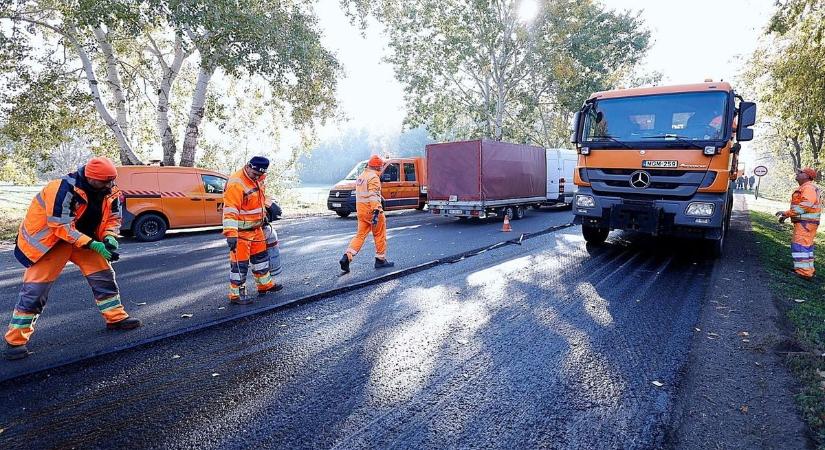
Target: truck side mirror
(574,132)
(747,117)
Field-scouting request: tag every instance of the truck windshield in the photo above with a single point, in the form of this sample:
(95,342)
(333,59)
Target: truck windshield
(356,171)
(695,116)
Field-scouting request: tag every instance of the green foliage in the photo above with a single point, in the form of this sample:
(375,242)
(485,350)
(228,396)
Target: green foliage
(473,69)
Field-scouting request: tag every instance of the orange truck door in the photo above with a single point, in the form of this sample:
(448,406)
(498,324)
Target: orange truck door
(213,186)
(391,184)
(409,189)
(182,197)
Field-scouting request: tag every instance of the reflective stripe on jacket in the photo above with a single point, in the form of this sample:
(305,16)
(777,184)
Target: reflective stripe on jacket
(244,204)
(806,205)
(52,216)
(368,192)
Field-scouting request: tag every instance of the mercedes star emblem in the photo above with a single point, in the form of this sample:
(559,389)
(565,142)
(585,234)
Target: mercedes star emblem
(640,179)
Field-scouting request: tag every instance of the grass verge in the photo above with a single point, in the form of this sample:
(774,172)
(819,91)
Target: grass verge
(10,219)
(803,303)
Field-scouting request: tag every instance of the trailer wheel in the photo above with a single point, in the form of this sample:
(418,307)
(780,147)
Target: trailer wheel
(519,213)
(342,213)
(594,235)
(508,211)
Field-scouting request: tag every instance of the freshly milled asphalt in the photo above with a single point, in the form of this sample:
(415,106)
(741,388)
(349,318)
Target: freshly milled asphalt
(187,273)
(549,344)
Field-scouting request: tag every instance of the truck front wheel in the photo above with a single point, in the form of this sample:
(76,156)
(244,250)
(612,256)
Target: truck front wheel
(595,235)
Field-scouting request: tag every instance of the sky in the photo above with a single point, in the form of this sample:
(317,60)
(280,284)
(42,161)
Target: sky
(692,40)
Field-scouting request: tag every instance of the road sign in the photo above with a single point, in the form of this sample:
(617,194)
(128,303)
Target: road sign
(760,171)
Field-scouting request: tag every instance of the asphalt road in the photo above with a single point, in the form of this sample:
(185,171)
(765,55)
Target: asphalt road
(550,344)
(188,273)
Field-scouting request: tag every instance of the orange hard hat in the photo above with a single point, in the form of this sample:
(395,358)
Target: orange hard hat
(811,173)
(101,168)
(375,162)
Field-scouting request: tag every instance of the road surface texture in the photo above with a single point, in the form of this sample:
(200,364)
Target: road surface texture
(547,344)
(188,274)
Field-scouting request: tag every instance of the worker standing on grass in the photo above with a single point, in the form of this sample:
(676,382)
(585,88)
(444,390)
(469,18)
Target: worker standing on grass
(75,218)
(244,214)
(805,209)
(370,216)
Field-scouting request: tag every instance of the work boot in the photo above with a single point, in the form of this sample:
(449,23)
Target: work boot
(129,323)
(344,261)
(274,288)
(16,351)
(383,263)
(240,301)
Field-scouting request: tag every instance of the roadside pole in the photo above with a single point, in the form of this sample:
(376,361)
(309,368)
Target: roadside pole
(759,171)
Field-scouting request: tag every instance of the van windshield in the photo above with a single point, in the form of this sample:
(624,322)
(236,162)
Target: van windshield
(356,171)
(693,116)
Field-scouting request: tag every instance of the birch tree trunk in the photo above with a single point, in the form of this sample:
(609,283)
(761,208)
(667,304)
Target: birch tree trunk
(113,78)
(170,73)
(196,113)
(127,156)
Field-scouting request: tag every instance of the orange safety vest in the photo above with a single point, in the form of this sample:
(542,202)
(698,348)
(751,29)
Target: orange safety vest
(806,205)
(368,192)
(244,204)
(52,215)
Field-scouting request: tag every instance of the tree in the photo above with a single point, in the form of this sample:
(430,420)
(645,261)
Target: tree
(785,73)
(276,40)
(473,68)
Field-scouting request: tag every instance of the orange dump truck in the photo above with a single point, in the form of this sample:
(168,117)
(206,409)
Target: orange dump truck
(660,160)
(403,186)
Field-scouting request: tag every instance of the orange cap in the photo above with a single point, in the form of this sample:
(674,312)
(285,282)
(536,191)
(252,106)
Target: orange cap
(811,173)
(101,168)
(375,162)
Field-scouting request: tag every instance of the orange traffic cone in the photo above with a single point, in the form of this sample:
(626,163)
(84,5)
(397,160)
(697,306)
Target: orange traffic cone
(506,227)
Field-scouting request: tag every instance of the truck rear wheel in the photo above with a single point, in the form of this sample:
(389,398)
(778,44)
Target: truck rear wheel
(149,228)
(342,213)
(594,235)
(519,212)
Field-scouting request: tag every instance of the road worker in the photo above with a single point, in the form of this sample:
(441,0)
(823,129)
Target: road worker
(244,214)
(370,216)
(75,218)
(806,205)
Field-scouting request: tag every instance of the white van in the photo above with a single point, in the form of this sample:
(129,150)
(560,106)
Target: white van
(561,162)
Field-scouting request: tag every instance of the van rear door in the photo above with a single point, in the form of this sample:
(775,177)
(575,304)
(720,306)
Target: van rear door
(182,198)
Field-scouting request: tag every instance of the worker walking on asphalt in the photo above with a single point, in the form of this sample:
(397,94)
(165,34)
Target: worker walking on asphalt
(370,216)
(805,209)
(244,214)
(75,218)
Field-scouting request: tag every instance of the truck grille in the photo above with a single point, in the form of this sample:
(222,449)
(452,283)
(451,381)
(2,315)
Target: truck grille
(663,183)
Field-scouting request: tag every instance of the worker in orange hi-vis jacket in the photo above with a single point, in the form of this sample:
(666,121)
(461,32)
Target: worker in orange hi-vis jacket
(244,215)
(75,218)
(370,216)
(806,206)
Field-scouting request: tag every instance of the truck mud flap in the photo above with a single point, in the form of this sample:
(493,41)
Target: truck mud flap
(637,217)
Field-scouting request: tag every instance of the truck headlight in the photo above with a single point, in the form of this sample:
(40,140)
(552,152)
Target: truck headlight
(701,209)
(585,201)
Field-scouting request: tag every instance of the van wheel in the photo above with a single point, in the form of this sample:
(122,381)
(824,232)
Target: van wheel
(595,235)
(519,213)
(342,213)
(149,228)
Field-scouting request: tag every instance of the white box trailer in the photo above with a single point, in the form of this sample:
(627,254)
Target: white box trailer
(561,163)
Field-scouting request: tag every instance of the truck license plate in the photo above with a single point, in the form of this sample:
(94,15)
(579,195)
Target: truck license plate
(336,205)
(659,163)
(456,211)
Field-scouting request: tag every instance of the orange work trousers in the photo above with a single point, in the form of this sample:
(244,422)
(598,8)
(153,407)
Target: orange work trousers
(250,252)
(365,227)
(802,248)
(39,278)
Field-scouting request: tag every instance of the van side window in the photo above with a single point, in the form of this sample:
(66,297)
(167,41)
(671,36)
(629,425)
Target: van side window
(213,184)
(390,173)
(409,172)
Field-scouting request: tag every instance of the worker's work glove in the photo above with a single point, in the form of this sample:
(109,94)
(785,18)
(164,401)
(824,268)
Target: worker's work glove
(232,242)
(375,214)
(112,242)
(782,216)
(100,248)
